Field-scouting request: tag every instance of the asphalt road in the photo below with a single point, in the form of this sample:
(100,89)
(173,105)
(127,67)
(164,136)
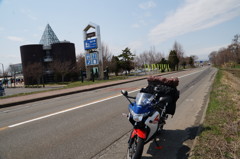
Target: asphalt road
(90,124)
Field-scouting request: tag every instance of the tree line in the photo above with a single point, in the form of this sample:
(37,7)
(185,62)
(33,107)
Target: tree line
(127,60)
(229,55)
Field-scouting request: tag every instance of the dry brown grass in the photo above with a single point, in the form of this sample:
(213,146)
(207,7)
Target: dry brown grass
(220,136)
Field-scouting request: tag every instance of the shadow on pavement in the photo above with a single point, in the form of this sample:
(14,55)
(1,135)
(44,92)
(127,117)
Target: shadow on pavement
(176,144)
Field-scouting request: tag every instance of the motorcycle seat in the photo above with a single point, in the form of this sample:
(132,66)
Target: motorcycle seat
(166,99)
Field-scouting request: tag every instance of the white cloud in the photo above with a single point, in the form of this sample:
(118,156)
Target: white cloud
(147,5)
(14,38)
(195,15)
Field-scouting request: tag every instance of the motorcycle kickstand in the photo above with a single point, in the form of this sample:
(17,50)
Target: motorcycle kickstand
(157,145)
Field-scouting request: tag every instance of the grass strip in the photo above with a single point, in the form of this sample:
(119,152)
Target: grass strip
(220,134)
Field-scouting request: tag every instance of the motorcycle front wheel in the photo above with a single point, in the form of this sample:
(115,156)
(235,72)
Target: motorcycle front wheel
(136,148)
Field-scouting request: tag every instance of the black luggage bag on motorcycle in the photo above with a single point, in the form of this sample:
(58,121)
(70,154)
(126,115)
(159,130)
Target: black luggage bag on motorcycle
(164,87)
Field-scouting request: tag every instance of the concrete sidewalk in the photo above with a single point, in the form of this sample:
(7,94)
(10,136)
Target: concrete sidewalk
(56,93)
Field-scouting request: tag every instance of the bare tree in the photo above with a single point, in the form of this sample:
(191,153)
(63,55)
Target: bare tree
(213,57)
(33,73)
(13,70)
(222,56)
(180,53)
(107,55)
(235,47)
(234,52)
(153,56)
(81,62)
(63,68)
(178,48)
(5,76)
(140,60)
(148,57)
(229,55)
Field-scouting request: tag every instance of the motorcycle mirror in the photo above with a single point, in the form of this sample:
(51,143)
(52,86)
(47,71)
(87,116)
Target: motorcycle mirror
(125,93)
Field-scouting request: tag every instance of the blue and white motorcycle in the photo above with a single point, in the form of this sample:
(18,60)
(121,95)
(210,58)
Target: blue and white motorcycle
(147,114)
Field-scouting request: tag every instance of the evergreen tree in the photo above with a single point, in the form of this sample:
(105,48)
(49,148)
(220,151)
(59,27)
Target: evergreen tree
(126,59)
(191,61)
(115,65)
(173,60)
(163,61)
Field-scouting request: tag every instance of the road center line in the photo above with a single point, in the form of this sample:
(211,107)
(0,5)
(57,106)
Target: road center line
(77,107)
(67,110)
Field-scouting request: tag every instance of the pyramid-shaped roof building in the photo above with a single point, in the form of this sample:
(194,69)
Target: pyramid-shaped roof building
(48,37)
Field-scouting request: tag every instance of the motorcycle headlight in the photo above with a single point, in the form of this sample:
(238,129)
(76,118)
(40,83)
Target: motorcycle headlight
(137,117)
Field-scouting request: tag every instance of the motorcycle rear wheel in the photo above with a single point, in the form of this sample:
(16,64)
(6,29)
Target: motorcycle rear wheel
(135,150)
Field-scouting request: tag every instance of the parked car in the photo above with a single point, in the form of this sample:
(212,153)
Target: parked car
(2,91)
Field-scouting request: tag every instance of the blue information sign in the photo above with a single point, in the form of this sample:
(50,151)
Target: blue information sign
(90,44)
(92,59)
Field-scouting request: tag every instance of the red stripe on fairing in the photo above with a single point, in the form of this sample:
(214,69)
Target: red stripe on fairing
(142,134)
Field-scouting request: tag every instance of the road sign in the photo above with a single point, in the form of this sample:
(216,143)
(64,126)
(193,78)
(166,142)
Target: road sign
(92,34)
(92,59)
(90,44)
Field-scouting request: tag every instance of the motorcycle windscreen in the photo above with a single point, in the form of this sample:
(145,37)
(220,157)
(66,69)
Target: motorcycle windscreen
(144,99)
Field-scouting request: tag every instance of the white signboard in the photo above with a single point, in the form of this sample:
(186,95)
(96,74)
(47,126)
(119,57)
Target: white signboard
(92,59)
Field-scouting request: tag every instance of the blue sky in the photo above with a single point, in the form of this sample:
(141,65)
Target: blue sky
(200,26)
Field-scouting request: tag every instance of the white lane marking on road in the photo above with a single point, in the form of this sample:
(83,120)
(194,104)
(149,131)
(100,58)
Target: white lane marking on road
(77,107)
(191,74)
(67,110)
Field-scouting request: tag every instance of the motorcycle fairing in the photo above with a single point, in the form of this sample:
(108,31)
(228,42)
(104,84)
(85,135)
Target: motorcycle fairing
(141,133)
(152,124)
(139,109)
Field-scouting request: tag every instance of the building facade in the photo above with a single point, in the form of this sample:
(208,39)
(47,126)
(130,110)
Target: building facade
(45,62)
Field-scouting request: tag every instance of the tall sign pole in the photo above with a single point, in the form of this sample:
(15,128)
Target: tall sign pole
(93,50)
(2,71)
